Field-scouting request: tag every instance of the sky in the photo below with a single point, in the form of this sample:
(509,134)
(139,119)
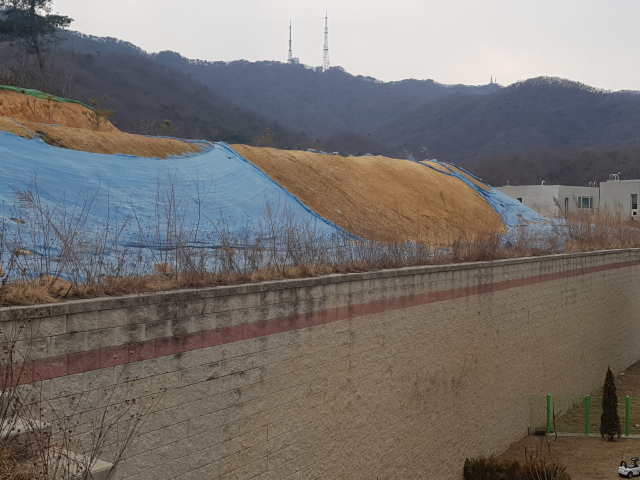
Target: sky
(596,42)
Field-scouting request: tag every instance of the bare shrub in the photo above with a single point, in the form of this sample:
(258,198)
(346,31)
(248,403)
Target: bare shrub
(603,229)
(534,467)
(46,439)
(181,244)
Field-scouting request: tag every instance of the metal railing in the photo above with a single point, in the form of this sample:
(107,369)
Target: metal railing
(572,414)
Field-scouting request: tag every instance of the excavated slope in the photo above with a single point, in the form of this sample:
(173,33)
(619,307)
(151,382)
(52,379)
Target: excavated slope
(26,108)
(380,198)
(73,130)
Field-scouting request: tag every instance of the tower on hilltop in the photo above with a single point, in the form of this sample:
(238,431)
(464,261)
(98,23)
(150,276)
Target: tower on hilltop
(291,59)
(325,56)
(290,49)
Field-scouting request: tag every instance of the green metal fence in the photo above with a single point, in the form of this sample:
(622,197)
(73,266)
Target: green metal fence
(564,414)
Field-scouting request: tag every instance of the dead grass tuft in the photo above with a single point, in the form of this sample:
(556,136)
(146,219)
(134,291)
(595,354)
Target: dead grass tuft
(16,463)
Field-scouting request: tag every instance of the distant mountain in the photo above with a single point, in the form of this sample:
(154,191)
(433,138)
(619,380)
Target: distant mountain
(320,104)
(338,108)
(337,111)
(538,114)
(576,166)
(147,94)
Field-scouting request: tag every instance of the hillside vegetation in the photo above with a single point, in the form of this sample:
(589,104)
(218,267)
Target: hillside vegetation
(538,114)
(561,166)
(145,94)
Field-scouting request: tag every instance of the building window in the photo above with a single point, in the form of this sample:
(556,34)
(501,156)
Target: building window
(585,202)
(519,199)
(566,204)
(634,201)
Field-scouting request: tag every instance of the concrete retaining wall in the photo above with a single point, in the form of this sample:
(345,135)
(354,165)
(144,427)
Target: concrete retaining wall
(393,374)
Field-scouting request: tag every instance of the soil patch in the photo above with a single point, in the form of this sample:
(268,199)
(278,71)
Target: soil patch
(76,131)
(27,108)
(380,198)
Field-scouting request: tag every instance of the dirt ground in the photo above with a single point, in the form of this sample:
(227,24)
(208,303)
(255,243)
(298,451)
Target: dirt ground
(380,198)
(588,458)
(585,458)
(76,132)
(24,107)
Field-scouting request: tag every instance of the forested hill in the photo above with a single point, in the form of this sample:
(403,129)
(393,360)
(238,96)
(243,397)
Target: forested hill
(337,111)
(144,93)
(537,114)
(320,104)
(300,98)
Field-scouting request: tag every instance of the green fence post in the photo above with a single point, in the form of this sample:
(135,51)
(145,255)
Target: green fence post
(587,402)
(626,426)
(548,414)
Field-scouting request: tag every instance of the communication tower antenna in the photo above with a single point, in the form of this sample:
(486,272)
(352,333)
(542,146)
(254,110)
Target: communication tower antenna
(290,49)
(325,56)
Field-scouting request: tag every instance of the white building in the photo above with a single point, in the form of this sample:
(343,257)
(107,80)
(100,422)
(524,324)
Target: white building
(622,194)
(548,199)
(552,200)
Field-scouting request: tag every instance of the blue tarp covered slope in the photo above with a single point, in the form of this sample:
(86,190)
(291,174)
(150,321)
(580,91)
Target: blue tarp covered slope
(229,187)
(517,217)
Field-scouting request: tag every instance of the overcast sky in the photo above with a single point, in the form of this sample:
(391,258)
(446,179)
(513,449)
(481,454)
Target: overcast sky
(451,41)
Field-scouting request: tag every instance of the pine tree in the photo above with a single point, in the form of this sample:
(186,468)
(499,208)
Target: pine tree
(609,420)
(31,22)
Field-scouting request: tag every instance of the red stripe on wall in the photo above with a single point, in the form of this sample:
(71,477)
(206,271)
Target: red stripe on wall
(48,368)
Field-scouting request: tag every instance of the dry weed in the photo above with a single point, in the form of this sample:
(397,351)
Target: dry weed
(85,260)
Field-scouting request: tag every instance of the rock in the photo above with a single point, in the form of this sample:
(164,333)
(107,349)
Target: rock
(164,268)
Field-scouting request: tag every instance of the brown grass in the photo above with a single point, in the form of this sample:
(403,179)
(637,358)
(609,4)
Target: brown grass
(371,257)
(470,178)
(586,458)
(380,198)
(69,114)
(605,229)
(8,125)
(16,463)
(111,143)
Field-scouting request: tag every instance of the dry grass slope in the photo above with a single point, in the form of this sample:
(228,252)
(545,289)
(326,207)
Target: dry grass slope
(380,198)
(110,143)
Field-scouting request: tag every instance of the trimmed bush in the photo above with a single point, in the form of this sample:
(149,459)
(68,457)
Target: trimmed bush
(609,420)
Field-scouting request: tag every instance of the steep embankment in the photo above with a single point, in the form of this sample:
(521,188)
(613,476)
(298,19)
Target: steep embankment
(68,125)
(380,198)
(29,108)
(377,198)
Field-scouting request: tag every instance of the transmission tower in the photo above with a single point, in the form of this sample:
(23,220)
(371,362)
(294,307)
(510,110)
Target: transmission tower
(290,49)
(325,56)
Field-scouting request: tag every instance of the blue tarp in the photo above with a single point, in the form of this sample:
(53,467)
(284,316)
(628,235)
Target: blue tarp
(144,201)
(227,187)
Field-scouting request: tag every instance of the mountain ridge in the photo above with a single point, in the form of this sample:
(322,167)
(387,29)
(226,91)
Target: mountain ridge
(338,111)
